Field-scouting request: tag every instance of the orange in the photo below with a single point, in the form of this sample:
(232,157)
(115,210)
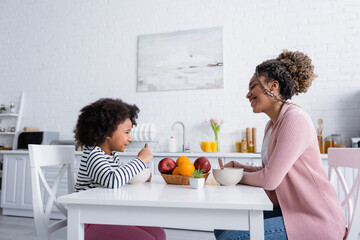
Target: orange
(175,171)
(182,159)
(186,168)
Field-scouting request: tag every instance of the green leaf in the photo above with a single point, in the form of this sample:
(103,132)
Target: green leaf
(197,173)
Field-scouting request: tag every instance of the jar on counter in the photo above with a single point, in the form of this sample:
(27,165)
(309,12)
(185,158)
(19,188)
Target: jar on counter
(334,140)
(250,147)
(237,146)
(329,142)
(243,147)
(337,139)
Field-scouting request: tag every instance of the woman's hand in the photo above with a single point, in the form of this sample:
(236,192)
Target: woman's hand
(145,154)
(229,165)
(234,164)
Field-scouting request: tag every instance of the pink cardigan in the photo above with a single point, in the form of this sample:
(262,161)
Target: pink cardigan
(295,179)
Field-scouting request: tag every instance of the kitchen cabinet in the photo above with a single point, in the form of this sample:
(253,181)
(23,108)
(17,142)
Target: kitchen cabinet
(17,193)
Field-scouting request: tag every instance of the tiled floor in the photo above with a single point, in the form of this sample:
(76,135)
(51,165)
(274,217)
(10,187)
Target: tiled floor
(21,228)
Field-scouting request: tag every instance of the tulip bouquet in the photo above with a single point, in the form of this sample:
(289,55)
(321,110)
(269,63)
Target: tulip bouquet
(215,125)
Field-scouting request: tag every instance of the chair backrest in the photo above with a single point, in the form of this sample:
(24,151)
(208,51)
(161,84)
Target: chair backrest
(341,160)
(44,196)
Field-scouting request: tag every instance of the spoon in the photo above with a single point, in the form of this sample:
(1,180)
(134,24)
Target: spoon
(221,163)
(320,123)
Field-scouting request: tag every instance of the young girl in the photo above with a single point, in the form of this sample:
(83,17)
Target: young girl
(305,203)
(103,127)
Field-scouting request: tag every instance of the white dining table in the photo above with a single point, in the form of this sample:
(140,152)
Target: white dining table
(156,203)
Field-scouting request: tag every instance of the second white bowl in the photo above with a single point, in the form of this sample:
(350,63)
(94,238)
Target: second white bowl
(228,176)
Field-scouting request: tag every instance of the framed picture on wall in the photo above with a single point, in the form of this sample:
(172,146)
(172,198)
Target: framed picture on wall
(181,60)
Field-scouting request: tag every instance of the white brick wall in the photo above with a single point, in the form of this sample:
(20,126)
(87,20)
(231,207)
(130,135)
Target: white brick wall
(65,54)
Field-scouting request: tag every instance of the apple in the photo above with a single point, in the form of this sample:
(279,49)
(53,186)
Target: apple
(203,164)
(166,165)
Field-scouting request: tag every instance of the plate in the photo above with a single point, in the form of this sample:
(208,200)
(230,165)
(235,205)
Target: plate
(132,133)
(135,134)
(147,132)
(142,132)
(152,132)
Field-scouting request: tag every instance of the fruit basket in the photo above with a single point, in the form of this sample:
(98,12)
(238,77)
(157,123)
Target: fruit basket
(179,179)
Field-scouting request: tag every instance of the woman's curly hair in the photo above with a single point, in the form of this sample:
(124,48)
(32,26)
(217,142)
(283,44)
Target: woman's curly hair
(293,70)
(100,119)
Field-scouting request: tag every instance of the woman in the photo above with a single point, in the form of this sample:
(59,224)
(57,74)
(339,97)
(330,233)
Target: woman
(305,203)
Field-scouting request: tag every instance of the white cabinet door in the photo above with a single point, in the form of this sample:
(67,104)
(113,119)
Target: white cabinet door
(25,193)
(13,180)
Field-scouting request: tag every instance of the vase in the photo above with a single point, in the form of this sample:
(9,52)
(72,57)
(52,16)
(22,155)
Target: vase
(197,182)
(217,141)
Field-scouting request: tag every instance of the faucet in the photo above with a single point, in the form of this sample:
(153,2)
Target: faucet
(184,147)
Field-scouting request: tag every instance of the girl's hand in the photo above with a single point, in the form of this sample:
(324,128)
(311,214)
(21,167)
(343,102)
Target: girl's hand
(145,154)
(149,179)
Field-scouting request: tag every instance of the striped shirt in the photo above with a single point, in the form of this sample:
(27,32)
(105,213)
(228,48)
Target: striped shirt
(97,169)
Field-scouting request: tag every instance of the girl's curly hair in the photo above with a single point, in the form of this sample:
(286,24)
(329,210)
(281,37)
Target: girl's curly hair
(293,70)
(100,119)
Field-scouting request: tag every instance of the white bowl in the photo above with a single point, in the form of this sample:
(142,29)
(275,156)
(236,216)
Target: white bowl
(141,177)
(228,176)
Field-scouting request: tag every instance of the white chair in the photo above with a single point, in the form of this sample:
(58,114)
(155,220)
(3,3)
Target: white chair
(347,160)
(42,193)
